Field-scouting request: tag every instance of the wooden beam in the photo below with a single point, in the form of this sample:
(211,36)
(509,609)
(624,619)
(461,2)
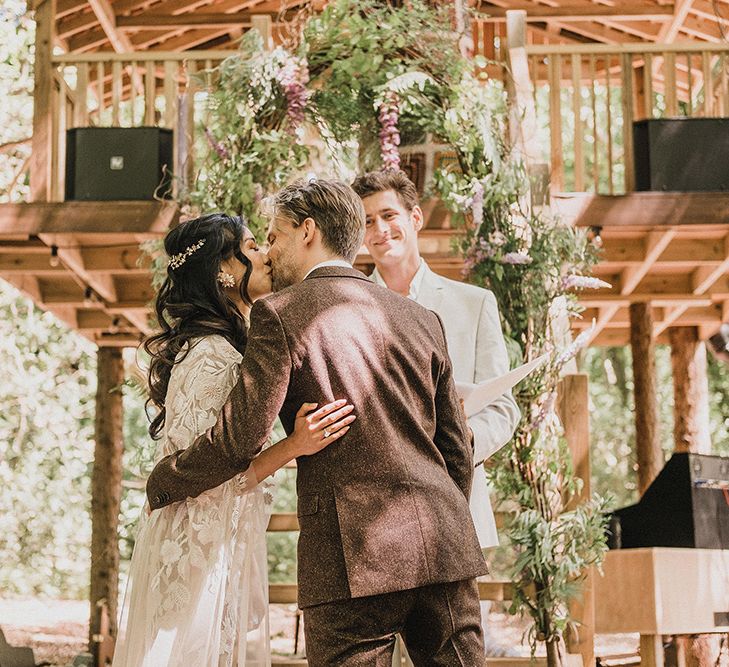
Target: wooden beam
(106,486)
(195,20)
(598,32)
(702,279)
(105,13)
(691,426)
(693,316)
(605,315)
(101,283)
(706,29)
(66,7)
(35,264)
(655,244)
(648,209)
(669,30)
(580,12)
(40,160)
(72,217)
(648,443)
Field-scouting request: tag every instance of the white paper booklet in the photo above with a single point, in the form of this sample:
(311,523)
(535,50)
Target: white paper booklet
(477,396)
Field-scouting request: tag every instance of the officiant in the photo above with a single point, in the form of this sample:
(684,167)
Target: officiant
(470,317)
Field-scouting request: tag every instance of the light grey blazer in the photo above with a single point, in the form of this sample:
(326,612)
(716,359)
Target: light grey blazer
(476,347)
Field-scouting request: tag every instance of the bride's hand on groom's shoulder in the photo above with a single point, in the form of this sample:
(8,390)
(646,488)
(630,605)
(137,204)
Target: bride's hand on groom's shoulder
(315,428)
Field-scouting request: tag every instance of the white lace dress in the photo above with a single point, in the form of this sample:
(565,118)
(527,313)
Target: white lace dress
(197,594)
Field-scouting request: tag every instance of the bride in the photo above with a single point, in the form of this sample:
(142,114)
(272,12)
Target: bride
(198,586)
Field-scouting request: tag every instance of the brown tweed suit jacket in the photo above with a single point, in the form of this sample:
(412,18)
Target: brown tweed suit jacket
(385,508)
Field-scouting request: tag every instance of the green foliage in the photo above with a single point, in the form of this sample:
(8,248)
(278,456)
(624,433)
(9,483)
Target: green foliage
(46,450)
(612,421)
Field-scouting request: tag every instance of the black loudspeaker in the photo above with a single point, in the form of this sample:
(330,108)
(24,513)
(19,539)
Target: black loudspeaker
(687,505)
(116,163)
(682,154)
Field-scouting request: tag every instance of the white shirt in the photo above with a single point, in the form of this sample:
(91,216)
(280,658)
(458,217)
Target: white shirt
(415,283)
(329,262)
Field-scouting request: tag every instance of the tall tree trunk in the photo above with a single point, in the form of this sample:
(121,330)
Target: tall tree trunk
(647,441)
(106,487)
(691,434)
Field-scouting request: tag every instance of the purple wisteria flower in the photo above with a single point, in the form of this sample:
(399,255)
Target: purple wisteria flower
(516,258)
(388,116)
(583,282)
(293,77)
(477,254)
(217,146)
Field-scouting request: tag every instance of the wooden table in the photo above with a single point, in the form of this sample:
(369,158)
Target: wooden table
(662,591)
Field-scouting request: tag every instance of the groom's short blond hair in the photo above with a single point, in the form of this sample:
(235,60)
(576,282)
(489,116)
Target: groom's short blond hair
(336,209)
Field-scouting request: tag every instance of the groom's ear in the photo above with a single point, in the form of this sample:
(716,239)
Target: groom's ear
(416,215)
(309,228)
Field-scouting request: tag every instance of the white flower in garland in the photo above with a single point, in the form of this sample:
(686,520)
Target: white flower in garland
(575,281)
(516,258)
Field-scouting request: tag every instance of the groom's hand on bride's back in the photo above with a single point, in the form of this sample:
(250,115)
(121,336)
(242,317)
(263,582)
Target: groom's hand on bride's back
(314,428)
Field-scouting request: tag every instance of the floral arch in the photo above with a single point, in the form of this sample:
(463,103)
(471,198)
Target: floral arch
(346,90)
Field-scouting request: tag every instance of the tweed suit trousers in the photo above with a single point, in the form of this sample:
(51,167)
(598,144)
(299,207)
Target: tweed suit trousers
(440,624)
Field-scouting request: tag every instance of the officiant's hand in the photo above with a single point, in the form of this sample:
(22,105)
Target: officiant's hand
(315,429)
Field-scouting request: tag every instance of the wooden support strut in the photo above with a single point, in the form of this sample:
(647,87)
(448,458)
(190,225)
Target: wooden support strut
(647,440)
(574,413)
(106,488)
(40,164)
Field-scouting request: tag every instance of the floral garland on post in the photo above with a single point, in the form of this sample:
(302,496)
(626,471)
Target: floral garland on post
(367,72)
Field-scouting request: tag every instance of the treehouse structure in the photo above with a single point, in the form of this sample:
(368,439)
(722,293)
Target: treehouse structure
(579,74)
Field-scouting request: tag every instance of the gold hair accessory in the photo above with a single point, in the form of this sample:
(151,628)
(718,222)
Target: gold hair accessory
(176,261)
(226,279)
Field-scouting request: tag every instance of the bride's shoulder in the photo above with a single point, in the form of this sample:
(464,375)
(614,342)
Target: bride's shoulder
(209,348)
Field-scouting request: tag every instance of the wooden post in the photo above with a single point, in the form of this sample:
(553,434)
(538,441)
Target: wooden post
(106,488)
(626,63)
(40,161)
(555,123)
(690,391)
(647,440)
(264,25)
(575,416)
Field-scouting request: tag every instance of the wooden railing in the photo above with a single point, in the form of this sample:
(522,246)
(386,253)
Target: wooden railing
(129,90)
(588,96)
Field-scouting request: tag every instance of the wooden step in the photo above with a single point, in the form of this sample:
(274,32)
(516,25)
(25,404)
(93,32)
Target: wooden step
(282,593)
(283,521)
(284,661)
(568,660)
(497,591)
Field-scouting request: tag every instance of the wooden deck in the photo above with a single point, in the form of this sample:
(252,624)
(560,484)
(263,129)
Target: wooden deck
(669,249)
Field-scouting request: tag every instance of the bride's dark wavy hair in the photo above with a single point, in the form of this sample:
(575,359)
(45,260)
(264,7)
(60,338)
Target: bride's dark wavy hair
(191,302)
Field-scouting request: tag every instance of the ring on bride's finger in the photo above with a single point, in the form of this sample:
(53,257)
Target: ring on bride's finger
(327,433)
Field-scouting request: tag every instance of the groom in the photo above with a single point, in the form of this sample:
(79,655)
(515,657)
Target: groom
(387,544)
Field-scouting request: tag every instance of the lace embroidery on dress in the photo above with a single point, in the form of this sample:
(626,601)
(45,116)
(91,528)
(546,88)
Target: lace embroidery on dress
(202,561)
